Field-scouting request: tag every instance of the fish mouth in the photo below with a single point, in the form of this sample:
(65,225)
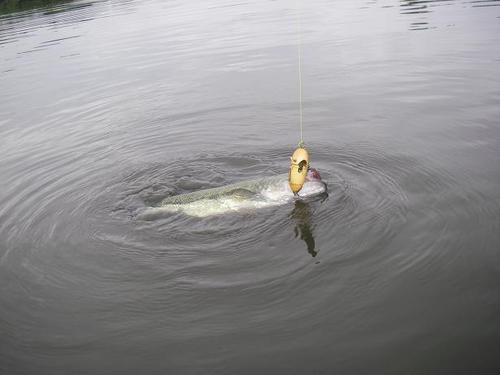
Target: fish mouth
(313,175)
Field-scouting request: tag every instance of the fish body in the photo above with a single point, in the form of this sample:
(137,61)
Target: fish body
(244,195)
(243,188)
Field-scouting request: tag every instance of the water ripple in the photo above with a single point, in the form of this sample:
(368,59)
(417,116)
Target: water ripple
(105,114)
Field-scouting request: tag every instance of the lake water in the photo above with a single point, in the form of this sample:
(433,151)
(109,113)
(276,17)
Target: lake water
(107,107)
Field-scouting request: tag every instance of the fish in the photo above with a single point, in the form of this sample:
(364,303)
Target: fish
(245,195)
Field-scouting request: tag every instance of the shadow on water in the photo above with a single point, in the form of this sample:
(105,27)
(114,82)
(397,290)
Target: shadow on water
(422,8)
(13,6)
(302,215)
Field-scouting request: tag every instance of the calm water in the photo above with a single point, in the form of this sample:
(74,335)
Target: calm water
(107,107)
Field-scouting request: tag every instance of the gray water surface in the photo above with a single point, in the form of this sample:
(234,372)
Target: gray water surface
(108,107)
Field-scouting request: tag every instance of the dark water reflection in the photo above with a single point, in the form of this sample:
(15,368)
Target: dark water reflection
(107,107)
(15,6)
(302,215)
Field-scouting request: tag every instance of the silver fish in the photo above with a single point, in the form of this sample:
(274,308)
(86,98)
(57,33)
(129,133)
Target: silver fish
(245,195)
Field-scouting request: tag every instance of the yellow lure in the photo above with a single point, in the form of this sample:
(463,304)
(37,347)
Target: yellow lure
(299,163)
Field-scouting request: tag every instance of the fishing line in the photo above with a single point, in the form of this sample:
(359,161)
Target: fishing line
(299,53)
(299,161)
